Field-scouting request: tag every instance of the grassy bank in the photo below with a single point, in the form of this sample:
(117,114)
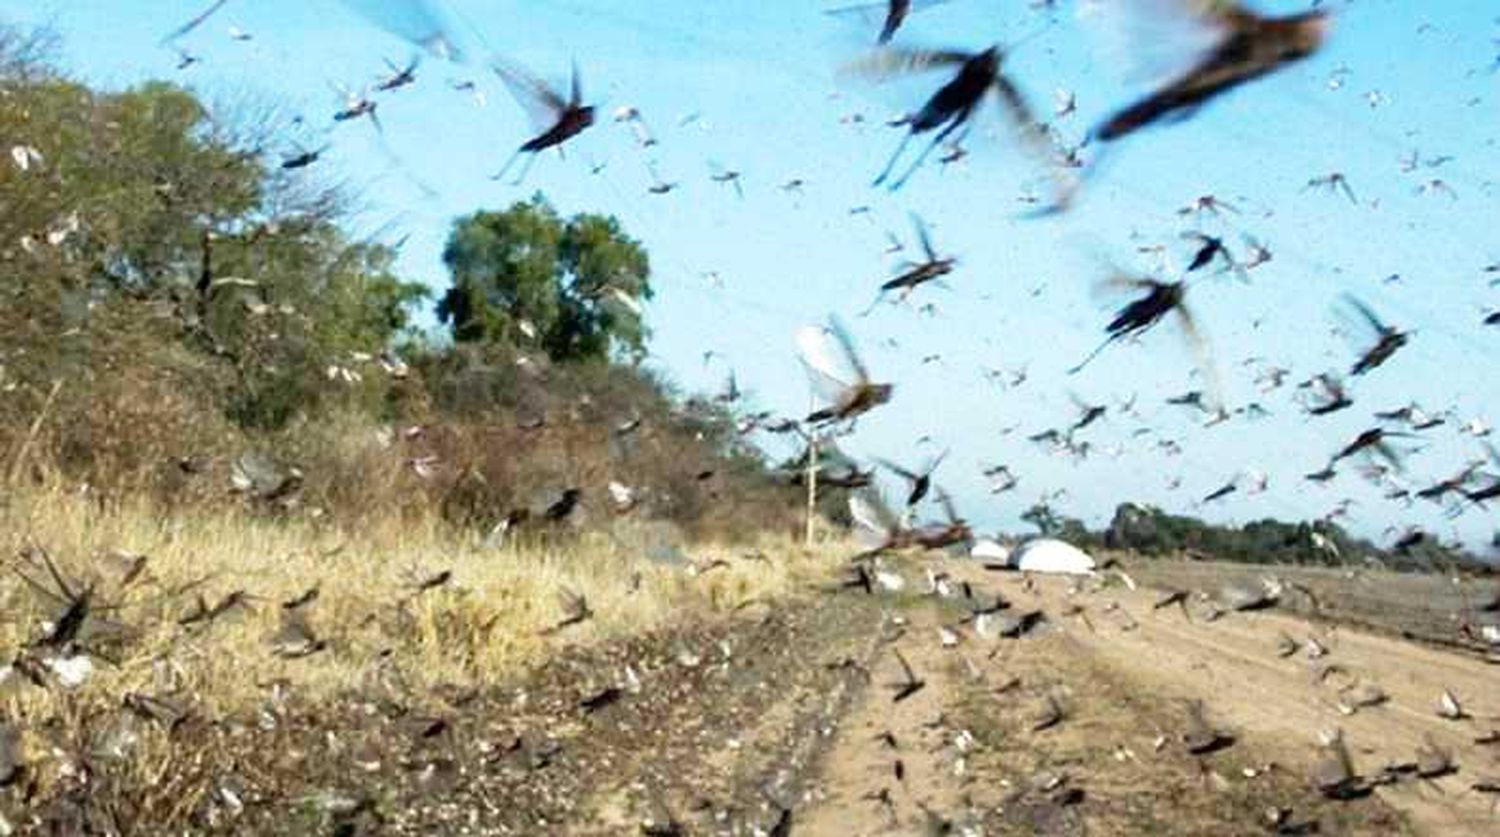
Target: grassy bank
(195,606)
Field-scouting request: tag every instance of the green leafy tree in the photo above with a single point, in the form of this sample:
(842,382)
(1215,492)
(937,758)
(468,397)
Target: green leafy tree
(1050,524)
(148,197)
(526,277)
(1043,518)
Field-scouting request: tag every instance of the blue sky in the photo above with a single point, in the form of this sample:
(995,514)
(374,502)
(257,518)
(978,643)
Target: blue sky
(760,81)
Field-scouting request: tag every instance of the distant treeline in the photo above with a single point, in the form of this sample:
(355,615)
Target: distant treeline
(1147,530)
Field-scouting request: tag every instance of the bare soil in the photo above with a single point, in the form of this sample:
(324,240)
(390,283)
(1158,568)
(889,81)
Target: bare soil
(783,719)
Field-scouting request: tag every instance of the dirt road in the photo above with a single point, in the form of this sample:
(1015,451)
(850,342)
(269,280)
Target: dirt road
(785,719)
(1122,673)
(977,749)
(1278,704)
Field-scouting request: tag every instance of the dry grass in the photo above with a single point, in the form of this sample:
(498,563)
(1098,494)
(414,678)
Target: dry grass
(488,621)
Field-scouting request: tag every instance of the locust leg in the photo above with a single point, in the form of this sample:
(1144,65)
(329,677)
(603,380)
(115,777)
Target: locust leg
(525,170)
(959,119)
(1095,353)
(505,168)
(891,165)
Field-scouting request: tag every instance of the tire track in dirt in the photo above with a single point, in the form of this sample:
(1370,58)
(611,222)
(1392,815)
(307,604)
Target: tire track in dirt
(707,726)
(974,763)
(889,761)
(1282,703)
(727,759)
(729,725)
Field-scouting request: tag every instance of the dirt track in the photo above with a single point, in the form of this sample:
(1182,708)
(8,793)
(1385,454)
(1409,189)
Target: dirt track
(1122,673)
(827,750)
(782,719)
(1280,703)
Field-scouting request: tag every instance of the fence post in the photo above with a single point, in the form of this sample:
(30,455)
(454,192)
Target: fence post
(812,487)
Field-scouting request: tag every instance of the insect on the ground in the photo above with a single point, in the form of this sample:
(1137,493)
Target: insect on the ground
(910,684)
(66,627)
(836,373)
(952,107)
(558,119)
(575,608)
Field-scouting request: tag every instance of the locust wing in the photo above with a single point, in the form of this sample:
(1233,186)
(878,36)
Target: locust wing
(923,237)
(543,104)
(835,465)
(1365,313)
(1203,358)
(874,523)
(946,502)
(888,63)
(1152,41)
(194,23)
(1032,136)
(413,21)
(832,368)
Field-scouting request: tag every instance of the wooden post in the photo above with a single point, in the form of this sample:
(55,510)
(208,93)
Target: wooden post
(812,487)
(812,475)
